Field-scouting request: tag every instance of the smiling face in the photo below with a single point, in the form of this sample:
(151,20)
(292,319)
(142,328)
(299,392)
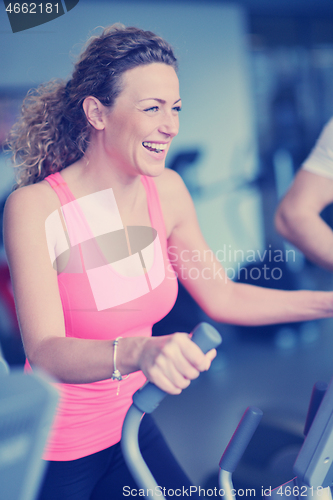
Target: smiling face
(140,126)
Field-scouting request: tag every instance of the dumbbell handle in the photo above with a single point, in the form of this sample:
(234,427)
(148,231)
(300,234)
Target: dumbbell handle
(149,396)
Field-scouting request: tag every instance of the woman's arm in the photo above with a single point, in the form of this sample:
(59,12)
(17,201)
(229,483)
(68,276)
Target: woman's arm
(169,361)
(222,299)
(298,217)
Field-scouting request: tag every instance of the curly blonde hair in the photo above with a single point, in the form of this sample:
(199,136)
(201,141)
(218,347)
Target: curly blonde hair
(52,131)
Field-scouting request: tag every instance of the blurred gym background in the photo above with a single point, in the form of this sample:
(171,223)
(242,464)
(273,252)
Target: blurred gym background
(256,83)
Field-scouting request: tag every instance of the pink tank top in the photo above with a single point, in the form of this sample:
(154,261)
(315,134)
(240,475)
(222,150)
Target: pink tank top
(100,302)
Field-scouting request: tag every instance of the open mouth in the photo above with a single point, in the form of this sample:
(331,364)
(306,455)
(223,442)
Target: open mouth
(154,146)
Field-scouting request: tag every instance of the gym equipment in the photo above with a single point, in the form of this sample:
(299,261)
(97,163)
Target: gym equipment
(235,449)
(27,406)
(313,466)
(4,368)
(145,400)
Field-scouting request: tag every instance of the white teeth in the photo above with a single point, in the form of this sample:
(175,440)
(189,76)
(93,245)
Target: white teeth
(154,145)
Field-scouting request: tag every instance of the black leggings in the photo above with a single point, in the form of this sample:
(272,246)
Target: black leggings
(105,476)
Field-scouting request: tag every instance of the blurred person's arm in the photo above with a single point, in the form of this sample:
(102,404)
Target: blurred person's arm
(298,217)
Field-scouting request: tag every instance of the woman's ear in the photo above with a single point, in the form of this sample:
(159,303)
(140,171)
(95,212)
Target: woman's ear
(94,111)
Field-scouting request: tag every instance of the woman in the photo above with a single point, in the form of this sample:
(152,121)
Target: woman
(91,279)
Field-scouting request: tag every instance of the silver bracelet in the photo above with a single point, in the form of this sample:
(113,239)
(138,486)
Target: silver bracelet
(116,375)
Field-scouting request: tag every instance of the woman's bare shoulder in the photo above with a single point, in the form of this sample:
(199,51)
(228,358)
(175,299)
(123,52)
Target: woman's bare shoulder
(26,212)
(35,198)
(170,184)
(175,199)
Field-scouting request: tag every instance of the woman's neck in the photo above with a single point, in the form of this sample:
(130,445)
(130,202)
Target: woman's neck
(88,176)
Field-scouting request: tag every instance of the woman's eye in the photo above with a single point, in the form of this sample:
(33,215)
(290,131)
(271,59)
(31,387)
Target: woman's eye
(177,108)
(153,109)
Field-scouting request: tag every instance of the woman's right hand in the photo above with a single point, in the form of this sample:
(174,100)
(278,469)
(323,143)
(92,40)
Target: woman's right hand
(172,361)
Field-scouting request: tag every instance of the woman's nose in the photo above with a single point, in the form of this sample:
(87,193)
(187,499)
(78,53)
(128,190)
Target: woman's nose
(170,125)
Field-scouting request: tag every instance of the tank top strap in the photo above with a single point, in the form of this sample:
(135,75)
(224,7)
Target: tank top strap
(60,187)
(154,206)
(75,221)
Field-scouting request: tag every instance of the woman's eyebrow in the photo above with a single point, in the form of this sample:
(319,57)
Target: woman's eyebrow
(162,101)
